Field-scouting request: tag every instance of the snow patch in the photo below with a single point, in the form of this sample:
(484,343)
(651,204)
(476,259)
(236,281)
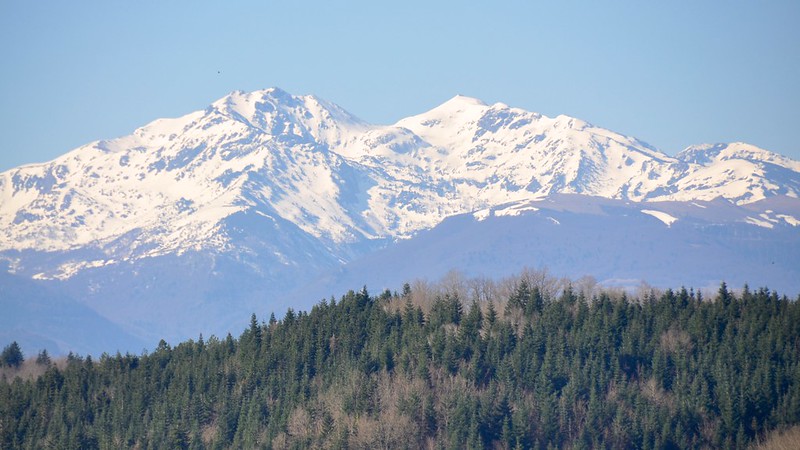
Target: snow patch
(482,214)
(759,222)
(766,216)
(69,269)
(791,220)
(662,216)
(514,210)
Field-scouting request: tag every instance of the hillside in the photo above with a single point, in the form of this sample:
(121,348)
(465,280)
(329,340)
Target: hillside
(538,368)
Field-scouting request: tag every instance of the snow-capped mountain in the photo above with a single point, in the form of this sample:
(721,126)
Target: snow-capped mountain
(282,185)
(175,179)
(309,162)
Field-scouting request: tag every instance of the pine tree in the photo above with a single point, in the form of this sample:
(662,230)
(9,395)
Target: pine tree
(43,359)
(12,355)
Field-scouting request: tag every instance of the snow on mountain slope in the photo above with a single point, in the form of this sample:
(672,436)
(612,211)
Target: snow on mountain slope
(290,118)
(172,185)
(738,172)
(173,181)
(511,154)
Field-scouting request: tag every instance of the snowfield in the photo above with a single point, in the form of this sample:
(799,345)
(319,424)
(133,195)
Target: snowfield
(169,186)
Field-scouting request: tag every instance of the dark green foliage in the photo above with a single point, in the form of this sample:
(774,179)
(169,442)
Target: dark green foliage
(12,355)
(669,371)
(43,359)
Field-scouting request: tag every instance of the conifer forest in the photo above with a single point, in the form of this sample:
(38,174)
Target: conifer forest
(537,368)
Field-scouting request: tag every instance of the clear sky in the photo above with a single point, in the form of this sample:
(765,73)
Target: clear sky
(672,73)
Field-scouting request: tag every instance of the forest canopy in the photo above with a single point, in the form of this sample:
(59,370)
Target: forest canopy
(546,365)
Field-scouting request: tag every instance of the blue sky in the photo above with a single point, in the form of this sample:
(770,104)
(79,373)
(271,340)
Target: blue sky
(670,73)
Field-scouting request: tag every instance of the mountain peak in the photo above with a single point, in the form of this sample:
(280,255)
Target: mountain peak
(241,101)
(450,115)
(311,163)
(705,154)
(458,106)
(462,100)
(279,113)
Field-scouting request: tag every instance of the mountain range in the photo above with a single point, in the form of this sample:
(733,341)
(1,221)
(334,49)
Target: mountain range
(266,200)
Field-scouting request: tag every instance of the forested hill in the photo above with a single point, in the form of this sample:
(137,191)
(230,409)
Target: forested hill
(535,370)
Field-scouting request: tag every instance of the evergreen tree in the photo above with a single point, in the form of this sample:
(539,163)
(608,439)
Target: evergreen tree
(12,355)
(43,359)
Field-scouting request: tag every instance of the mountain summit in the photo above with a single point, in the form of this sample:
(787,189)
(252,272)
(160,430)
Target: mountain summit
(308,161)
(265,185)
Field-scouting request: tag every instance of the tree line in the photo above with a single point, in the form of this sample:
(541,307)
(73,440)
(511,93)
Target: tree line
(537,369)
